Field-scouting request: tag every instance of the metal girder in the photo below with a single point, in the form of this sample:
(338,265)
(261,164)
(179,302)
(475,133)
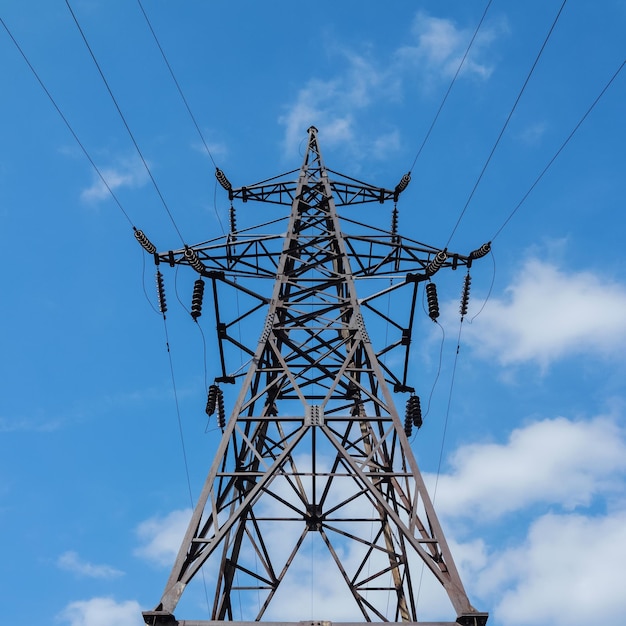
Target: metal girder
(314,442)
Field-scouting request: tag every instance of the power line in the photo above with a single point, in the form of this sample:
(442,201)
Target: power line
(180,423)
(184,99)
(567,140)
(119,110)
(66,122)
(180,91)
(458,70)
(506,123)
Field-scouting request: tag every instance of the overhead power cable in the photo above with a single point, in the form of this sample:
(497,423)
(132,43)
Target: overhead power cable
(456,74)
(180,91)
(184,99)
(562,147)
(180,423)
(119,110)
(506,123)
(67,124)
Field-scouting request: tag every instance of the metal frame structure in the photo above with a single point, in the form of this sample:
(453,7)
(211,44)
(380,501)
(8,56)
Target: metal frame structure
(314,443)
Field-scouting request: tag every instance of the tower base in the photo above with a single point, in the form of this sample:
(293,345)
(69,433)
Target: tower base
(162,618)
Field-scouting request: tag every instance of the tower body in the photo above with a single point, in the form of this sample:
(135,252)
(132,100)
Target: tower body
(313,451)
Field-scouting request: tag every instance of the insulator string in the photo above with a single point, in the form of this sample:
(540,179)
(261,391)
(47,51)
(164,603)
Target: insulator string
(211,402)
(192,258)
(221,413)
(196,299)
(433,301)
(437,263)
(161,293)
(146,244)
(480,252)
(401,186)
(394,224)
(222,180)
(465,295)
(232,215)
(413,414)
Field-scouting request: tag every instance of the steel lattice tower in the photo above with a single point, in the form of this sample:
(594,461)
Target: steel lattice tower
(314,442)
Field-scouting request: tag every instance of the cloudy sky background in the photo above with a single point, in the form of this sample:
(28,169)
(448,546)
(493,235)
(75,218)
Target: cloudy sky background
(524,444)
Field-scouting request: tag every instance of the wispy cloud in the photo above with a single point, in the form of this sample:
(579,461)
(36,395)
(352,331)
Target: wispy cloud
(101,612)
(334,104)
(161,536)
(440,44)
(127,173)
(533,133)
(71,562)
(547,313)
(22,424)
(322,103)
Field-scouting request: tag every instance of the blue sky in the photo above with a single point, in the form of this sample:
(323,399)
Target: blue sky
(93,484)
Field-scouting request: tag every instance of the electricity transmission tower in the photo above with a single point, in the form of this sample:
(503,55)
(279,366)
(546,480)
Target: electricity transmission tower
(314,448)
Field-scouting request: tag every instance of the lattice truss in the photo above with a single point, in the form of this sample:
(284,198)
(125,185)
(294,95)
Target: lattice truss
(314,443)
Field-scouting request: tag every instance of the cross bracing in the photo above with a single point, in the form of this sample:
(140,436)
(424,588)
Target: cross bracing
(314,444)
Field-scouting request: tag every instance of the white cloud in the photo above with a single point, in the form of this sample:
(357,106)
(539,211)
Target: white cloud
(71,562)
(557,462)
(548,313)
(162,536)
(567,572)
(102,612)
(129,173)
